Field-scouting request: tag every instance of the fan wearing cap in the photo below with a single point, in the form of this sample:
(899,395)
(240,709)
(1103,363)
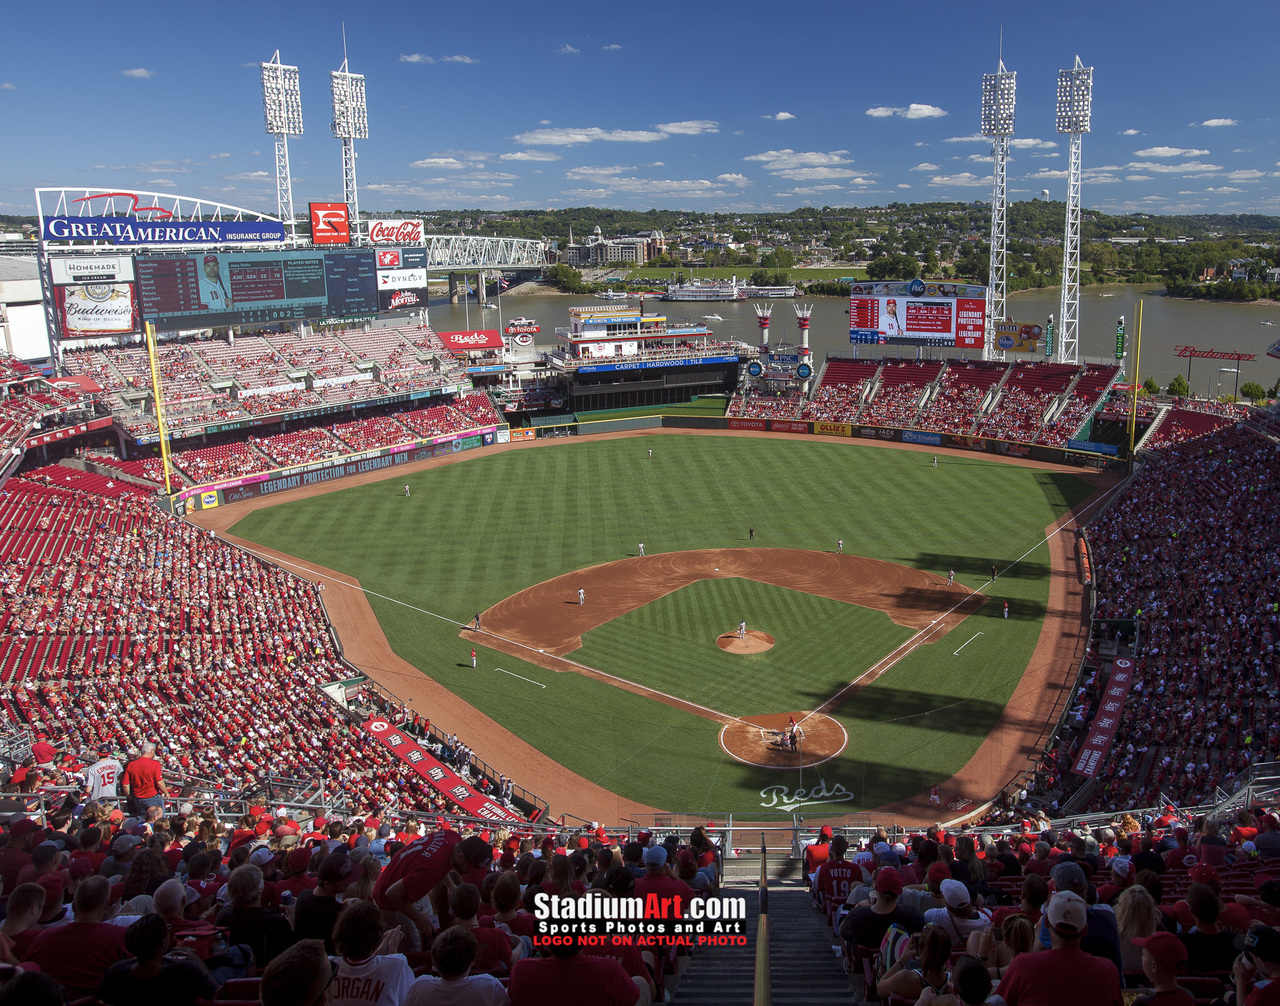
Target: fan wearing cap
(960,916)
(14,854)
(1065,975)
(317,910)
(866,925)
(1102,937)
(1267,841)
(837,875)
(1162,953)
(1257,967)
(1231,916)
(816,853)
(662,881)
(416,869)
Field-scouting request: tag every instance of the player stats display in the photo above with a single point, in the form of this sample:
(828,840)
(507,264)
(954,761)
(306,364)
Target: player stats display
(918,313)
(201,290)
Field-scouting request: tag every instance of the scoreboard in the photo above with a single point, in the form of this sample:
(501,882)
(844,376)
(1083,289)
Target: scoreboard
(918,313)
(244,288)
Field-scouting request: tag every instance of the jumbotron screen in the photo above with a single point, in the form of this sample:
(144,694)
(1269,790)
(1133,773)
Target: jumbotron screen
(918,313)
(201,290)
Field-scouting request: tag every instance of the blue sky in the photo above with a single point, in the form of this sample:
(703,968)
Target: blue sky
(712,106)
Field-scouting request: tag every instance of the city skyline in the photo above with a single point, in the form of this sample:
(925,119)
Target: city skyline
(671,107)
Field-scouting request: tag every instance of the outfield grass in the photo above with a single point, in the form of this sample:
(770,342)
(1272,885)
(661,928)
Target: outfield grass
(480,530)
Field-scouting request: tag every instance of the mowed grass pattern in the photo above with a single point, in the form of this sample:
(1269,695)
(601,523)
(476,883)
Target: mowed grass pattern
(670,645)
(479,530)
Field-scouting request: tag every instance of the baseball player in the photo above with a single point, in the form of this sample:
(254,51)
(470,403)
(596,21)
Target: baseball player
(935,461)
(406,490)
(751,534)
(473,656)
(477,621)
(650,453)
(642,548)
(951,577)
(582,596)
(1006,609)
(839,546)
(742,630)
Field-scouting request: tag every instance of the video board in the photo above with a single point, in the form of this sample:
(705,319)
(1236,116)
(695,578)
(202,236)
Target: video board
(918,313)
(246,288)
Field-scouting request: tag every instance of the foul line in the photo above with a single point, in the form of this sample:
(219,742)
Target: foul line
(520,676)
(887,662)
(967,642)
(621,682)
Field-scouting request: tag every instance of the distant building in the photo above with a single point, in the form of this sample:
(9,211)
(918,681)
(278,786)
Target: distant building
(597,250)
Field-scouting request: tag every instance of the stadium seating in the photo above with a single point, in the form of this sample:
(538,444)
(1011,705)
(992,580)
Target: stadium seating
(964,386)
(764,405)
(902,385)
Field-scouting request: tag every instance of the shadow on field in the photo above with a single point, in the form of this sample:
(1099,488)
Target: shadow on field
(1062,490)
(976,567)
(1027,611)
(834,788)
(927,710)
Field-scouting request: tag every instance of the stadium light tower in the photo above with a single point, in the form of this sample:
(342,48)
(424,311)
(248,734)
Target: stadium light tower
(998,94)
(282,109)
(1075,103)
(350,123)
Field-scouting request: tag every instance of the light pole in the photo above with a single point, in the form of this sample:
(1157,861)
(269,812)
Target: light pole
(998,98)
(282,110)
(1075,103)
(350,123)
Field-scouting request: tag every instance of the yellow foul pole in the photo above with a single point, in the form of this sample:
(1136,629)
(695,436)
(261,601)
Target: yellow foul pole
(158,395)
(1133,410)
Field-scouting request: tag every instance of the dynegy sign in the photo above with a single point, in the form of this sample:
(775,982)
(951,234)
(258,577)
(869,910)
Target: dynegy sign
(131,231)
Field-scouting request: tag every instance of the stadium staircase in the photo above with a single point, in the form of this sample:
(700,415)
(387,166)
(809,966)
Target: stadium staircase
(803,966)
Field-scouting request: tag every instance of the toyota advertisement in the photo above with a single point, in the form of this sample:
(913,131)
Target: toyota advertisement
(918,313)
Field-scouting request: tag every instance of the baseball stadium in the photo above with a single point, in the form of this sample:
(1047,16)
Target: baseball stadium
(301,592)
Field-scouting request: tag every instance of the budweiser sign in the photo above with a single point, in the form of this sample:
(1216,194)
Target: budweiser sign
(395,232)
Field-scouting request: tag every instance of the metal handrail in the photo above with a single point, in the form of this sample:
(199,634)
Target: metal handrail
(764,975)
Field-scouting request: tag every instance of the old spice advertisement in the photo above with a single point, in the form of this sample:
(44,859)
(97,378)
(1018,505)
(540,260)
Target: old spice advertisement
(96,309)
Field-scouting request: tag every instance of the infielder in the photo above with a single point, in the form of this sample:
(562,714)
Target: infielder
(742,630)
(582,596)
(473,656)
(642,548)
(839,546)
(951,577)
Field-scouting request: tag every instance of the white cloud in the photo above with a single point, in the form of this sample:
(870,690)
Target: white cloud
(689,127)
(778,161)
(983,158)
(813,174)
(1219,122)
(139,73)
(415,57)
(963,180)
(529,155)
(925,166)
(597,171)
(1045,174)
(446,162)
(149,167)
(161,181)
(459,59)
(903,185)
(1050,154)
(1131,132)
(1170,169)
(567,136)
(215,157)
(781,116)
(1223,188)
(733,179)
(1031,143)
(247,176)
(1137,178)
(612,47)
(1246,175)
(567,50)
(971,138)
(813,190)
(915,110)
(6,86)
(1170,152)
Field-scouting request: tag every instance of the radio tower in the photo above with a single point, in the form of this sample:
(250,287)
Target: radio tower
(282,109)
(998,92)
(350,123)
(1075,102)
(804,318)
(763,313)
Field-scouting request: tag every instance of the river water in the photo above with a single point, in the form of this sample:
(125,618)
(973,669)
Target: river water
(1166,324)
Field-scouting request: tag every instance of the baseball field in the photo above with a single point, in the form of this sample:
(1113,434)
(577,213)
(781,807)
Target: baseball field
(895,677)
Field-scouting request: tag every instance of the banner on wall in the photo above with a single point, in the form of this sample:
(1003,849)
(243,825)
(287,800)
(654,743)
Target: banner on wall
(1106,721)
(438,775)
(96,309)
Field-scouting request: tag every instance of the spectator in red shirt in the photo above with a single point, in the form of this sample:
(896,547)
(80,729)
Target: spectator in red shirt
(144,781)
(14,855)
(79,953)
(571,978)
(1064,975)
(44,753)
(495,951)
(415,871)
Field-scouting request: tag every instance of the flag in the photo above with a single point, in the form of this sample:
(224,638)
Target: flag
(470,292)
(502,282)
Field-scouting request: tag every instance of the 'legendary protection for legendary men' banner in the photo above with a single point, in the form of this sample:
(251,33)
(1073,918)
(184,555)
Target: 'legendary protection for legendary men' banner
(445,780)
(1106,720)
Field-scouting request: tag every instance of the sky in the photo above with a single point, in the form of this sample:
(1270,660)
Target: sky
(706,106)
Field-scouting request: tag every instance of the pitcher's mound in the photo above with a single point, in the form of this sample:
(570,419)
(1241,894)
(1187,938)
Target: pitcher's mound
(762,740)
(756,642)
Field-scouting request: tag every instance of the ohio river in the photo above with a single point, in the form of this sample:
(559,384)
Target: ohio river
(1167,323)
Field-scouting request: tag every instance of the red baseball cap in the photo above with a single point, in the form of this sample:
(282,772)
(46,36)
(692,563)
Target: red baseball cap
(888,880)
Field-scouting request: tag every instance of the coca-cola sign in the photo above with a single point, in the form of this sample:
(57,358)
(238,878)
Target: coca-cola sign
(97,309)
(395,232)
